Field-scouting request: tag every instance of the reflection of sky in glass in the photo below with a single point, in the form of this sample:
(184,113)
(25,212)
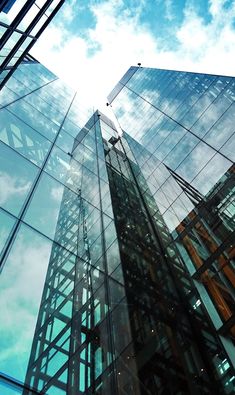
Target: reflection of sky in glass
(6,390)
(6,224)
(21,287)
(22,138)
(16,177)
(34,118)
(203,103)
(44,208)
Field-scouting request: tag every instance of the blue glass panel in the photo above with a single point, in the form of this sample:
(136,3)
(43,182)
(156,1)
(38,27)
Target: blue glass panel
(7,389)
(22,138)
(65,141)
(223,129)
(7,96)
(228,148)
(65,169)
(21,286)
(181,150)
(6,225)
(16,177)
(34,118)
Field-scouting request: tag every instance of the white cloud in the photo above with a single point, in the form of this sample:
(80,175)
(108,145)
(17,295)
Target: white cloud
(169,10)
(120,41)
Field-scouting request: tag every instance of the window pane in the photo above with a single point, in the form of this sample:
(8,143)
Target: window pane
(181,150)
(26,264)
(65,141)
(195,161)
(6,224)
(34,118)
(22,138)
(211,174)
(6,96)
(54,211)
(65,169)
(16,177)
(36,100)
(222,130)
(228,149)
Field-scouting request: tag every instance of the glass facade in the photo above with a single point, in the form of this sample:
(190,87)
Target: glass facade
(19,30)
(179,126)
(117,271)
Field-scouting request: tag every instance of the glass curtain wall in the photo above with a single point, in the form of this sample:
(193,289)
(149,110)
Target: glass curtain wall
(101,290)
(46,225)
(21,24)
(160,293)
(180,129)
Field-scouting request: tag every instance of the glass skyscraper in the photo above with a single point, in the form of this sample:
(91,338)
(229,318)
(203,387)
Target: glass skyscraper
(117,271)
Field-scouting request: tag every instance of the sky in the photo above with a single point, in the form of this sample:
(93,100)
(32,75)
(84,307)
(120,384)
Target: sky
(90,44)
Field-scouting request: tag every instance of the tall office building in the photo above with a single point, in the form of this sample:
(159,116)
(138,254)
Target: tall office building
(186,122)
(117,270)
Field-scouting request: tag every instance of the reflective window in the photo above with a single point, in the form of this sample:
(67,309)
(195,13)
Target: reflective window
(36,99)
(7,96)
(26,264)
(16,178)
(86,157)
(34,118)
(211,116)
(65,141)
(223,129)
(6,225)
(228,148)
(211,173)
(181,150)
(71,128)
(195,161)
(65,169)
(48,208)
(7,389)
(170,142)
(22,138)
(18,86)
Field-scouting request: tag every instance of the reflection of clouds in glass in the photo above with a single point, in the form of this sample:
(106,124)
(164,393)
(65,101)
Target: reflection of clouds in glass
(6,224)
(150,95)
(56,193)
(222,130)
(171,220)
(33,117)
(80,110)
(195,161)
(22,282)
(211,174)
(45,206)
(133,114)
(10,186)
(211,115)
(228,149)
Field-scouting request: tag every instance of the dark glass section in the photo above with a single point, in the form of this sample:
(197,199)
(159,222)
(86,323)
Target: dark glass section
(170,343)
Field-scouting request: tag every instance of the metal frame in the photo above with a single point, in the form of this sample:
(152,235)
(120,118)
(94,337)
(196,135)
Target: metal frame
(24,35)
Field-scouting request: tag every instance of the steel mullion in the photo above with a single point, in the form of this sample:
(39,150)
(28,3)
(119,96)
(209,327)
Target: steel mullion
(27,32)
(27,49)
(16,22)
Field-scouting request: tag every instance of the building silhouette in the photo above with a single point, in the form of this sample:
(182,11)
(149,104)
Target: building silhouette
(117,252)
